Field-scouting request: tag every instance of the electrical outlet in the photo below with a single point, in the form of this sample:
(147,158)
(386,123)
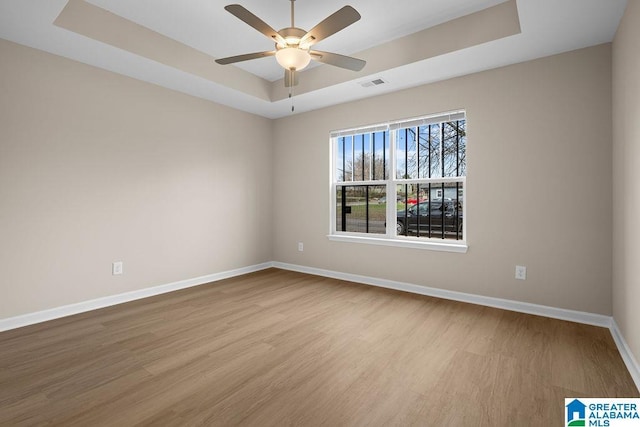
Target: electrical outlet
(521,272)
(300,247)
(117,268)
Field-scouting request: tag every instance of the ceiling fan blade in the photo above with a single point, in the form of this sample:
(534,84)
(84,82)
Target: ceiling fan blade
(245,57)
(331,25)
(252,20)
(338,60)
(290,78)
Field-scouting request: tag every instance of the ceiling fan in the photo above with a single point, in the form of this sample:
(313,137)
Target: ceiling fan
(293,45)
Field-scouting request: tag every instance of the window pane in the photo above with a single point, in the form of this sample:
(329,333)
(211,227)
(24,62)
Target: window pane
(359,155)
(362,164)
(344,159)
(380,154)
(362,157)
(340,160)
(361,209)
(462,148)
(401,154)
(435,165)
(423,151)
(431,151)
(450,149)
(412,154)
(406,154)
(430,210)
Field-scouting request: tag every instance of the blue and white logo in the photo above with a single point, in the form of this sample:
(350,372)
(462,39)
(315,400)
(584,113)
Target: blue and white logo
(575,413)
(602,412)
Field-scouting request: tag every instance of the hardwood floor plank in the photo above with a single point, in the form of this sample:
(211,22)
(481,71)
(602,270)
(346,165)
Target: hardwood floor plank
(276,348)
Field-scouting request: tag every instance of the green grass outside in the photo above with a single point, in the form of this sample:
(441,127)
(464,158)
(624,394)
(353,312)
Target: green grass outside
(377,212)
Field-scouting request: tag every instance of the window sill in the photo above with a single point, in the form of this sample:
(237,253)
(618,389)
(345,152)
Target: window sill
(430,245)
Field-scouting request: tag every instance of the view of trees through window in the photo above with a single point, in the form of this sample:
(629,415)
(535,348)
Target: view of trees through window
(410,178)
(437,150)
(363,157)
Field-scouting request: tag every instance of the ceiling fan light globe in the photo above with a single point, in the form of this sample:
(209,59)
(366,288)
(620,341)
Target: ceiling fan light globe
(293,58)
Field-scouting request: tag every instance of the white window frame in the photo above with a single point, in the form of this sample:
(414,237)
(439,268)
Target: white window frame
(390,238)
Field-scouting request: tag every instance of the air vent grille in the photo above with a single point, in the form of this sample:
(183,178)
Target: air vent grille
(374,82)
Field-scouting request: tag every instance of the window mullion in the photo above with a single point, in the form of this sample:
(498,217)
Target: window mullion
(391,187)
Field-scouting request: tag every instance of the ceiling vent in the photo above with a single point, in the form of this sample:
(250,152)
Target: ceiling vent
(374,82)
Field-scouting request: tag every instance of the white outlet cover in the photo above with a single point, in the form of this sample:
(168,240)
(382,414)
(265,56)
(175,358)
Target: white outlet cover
(521,272)
(117,268)
(300,246)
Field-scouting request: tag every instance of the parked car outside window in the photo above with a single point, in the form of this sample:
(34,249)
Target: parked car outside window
(428,218)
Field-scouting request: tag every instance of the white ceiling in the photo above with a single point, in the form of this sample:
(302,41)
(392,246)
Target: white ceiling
(547,27)
(190,22)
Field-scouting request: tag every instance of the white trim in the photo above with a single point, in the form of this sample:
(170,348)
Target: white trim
(437,180)
(625,353)
(459,247)
(81,307)
(521,307)
(402,123)
(428,120)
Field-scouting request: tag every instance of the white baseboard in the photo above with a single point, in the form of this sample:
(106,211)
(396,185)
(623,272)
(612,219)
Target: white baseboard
(625,352)
(521,307)
(81,307)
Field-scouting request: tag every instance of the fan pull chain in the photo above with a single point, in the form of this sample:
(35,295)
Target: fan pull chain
(291,98)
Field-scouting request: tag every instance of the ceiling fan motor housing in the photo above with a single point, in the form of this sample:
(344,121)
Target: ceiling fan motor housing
(292,36)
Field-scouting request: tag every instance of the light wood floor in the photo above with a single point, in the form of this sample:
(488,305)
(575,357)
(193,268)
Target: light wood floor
(282,348)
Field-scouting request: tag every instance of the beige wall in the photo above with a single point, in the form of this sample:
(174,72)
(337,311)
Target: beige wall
(96,167)
(626,177)
(538,189)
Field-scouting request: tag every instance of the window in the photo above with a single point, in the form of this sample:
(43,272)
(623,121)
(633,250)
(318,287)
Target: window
(401,183)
